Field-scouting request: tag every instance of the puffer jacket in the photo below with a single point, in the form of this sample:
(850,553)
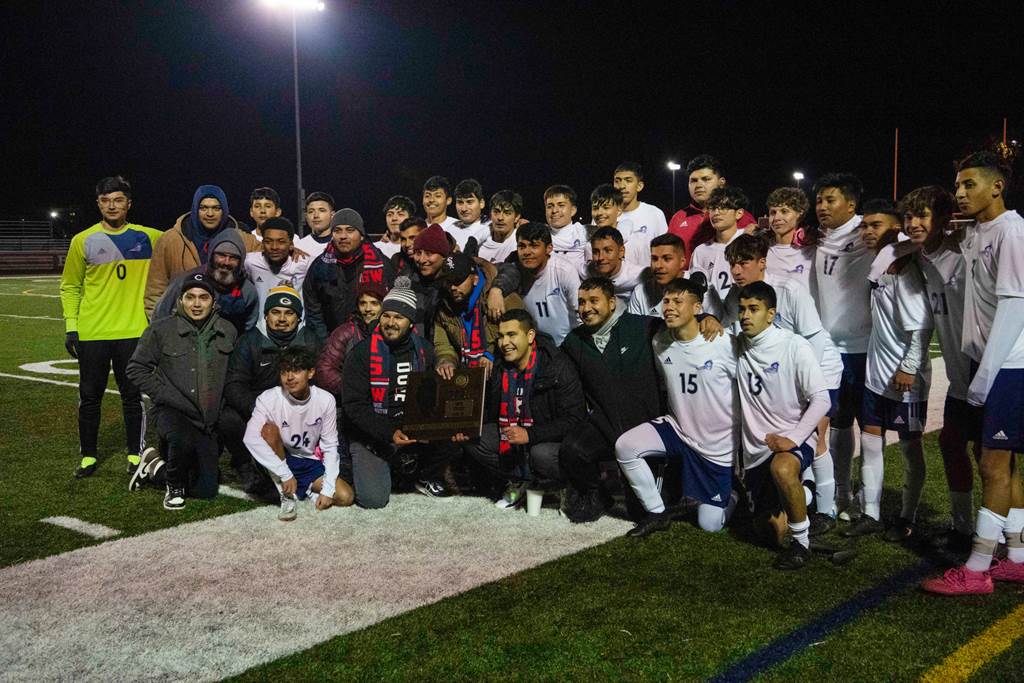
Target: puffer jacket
(329,290)
(331,363)
(252,368)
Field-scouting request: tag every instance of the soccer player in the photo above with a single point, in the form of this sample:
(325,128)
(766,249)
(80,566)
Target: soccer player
(841,265)
(469,204)
(437,197)
(293,433)
(568,238)
(396,210)
(783,398)
(101,295)
(609,261)
(700,379)
(787,258)
(500,241)
(668,259)
(606,211)
(927,212)
(993,248)
(645,219)
(273,266)
(898,370)
(553,283)
(704,174)
(264,203)
(319,209)
(725,208)
(181,363)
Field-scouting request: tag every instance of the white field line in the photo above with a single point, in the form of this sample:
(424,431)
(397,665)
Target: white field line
(47,296)
(232,492)
(82,527)
(49,367)
(31,278)
(28,317)
(210,599)
(44,380)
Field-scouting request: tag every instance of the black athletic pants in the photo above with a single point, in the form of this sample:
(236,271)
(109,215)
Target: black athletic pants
(581,453)
(95,359)
(192,454)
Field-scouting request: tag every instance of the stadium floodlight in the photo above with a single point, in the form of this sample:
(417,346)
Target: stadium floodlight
(297,6)
(673,166)
(54,213)
(798,177)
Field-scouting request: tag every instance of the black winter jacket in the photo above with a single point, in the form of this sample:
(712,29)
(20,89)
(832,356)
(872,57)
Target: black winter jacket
(252,368)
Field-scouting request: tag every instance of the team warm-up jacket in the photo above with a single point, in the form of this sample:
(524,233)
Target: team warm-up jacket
(252,367)
(329,290)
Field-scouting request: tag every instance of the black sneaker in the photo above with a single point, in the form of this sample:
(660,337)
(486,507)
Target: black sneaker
(821,524)
(140,474)
(174,499)
(590,508)
(902,530)
(432,488)
(864,526)
(652,521)
(84,471)
(793,557)
(952,540)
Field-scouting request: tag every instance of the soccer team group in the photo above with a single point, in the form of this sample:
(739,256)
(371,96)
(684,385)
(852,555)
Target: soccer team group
(731,356)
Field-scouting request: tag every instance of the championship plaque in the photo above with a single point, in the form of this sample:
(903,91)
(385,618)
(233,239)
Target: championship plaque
(437,408)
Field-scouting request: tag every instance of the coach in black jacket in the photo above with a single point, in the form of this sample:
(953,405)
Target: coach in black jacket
(612,354)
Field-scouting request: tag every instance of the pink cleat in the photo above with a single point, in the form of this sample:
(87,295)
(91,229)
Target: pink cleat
(1004,570)
(959,581)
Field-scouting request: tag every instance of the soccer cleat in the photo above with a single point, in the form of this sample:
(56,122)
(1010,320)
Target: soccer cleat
(432,488)
(140,474)
(515,494)
(864,526)
(902,530)
(793,557)
(132,462)
(174,499)
(952,540)
(289,508)
(821,524)
(959,581)
(652,521)
(1004,570)
(85,468)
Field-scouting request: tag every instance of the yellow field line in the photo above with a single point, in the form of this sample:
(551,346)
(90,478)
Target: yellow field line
(992,641)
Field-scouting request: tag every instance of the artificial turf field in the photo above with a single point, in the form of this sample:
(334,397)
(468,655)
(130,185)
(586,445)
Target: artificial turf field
(680,605)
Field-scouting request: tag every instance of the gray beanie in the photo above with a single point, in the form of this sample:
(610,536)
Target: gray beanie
(348,217)
(401,299)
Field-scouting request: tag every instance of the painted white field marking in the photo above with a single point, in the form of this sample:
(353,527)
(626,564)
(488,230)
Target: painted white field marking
(33,278)
(213,598)
(28,293)
(82,527)
(51,381)
(46,367)
(28,317)
(232,492)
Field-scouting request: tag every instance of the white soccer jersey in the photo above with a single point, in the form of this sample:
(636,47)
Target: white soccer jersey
(777,374)
(497,252)
(304,425)
(786,262)
(638,250)
(945,280)
(553,298)
(570,242)
(311,245)
(447,223)
(700,377)
(841,265)
(899,306)
(645,219)
(389,249)
(292,273)
(639,304)
(461,232)
(709,258)
(625,281)
(994,256)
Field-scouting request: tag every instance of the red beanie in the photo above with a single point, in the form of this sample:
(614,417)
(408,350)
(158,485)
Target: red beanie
(375,289)
(433,240)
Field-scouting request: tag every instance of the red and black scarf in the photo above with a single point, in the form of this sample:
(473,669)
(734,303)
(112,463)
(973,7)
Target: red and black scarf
(373,264)
(380,367)
(513,383)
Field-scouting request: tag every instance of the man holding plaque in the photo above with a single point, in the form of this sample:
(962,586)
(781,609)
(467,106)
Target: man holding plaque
(376,381)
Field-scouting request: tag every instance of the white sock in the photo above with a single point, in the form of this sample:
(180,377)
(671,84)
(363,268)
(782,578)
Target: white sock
(710,517)
(961,505)
(645,486)
(987,531)
(872,472)
(841,443)
(824,477)
(799,532)
(913,477)
(1014,533)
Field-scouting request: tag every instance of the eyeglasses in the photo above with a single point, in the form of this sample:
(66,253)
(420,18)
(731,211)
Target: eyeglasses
(113,201)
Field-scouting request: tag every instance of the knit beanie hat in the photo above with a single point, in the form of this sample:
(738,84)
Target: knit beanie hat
(348,217)
(283,296)
(401,299)
(197,280)
(280,223)
(433,240)
(378,290)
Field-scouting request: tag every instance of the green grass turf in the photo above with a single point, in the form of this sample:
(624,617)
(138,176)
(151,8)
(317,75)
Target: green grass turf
(681,605)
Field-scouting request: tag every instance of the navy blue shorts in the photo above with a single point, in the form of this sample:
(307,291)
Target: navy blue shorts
(762,495)
(902,418)
(1003,428)
(851,389)
(703,480)
(305,471)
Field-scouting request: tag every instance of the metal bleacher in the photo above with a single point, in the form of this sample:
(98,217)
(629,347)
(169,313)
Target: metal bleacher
(31,247)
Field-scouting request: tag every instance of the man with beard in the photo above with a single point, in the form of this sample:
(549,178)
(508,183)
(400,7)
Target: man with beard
(237,301)
(319,209)
(252,369)
(273,266)
(181,362)
(331,364)
(668,260)
(329,290)
(611,353)
(187,245)
(376,379)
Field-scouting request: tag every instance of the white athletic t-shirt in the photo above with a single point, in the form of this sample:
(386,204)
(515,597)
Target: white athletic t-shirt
(553,298)
(786,262)
(994,256)
(841,265)
(389,249)
(899,306)
(700,377)
(646,220)
(625,281)
(639,304)
(496,252)
(292,273)
(570,242)
(462,232)
(709,258)
(777,374)
(303,425)
(945,280)
(311,246)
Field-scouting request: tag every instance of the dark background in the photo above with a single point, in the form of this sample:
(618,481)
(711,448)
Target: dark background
(515,94)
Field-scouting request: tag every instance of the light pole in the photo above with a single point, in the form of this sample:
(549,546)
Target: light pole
(673,166)
(798,177)
(297,6)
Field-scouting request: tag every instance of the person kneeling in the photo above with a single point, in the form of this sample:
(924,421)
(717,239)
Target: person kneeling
(289,425)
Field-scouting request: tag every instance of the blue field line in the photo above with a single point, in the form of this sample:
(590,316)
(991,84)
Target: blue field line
(788,645)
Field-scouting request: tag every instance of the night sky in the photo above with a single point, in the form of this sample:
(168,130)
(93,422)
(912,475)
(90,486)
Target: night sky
(515,94)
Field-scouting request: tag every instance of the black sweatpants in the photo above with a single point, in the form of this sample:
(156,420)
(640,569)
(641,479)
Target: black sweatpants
(581,453)
(192,454)
(95,359)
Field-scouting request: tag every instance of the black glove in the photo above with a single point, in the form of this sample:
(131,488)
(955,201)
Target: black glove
(71,343)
